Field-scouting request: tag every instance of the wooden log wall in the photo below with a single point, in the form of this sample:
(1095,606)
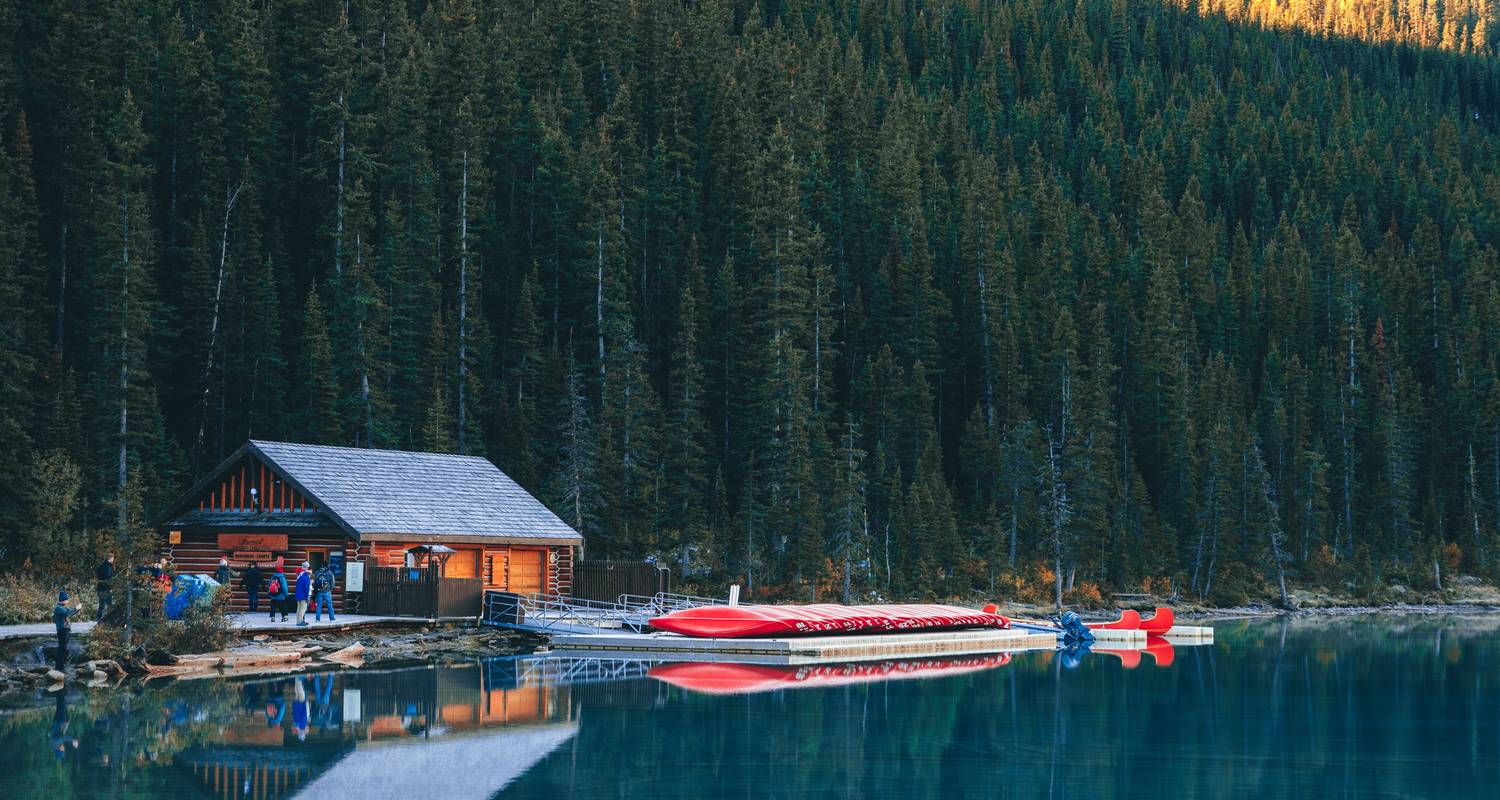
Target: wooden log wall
(199,553)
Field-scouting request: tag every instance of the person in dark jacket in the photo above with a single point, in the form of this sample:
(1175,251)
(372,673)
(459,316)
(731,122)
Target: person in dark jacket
(61,617)
(276,590)
(323,593)
(251,580)
(304,592)
(222,573)
(103,575)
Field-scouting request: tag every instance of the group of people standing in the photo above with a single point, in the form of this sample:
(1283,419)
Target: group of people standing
(284,591)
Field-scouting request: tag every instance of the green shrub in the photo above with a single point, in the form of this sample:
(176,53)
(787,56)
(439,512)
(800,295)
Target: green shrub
(202,628)
(27,599)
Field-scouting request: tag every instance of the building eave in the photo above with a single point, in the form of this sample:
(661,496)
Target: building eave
(469,538)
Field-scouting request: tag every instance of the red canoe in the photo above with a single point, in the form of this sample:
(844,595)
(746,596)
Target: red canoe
(1159,624)
(712,678)
(1129,620)
(736,622)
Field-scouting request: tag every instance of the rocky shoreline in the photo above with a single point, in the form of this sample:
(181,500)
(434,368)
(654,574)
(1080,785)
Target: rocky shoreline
(27,672)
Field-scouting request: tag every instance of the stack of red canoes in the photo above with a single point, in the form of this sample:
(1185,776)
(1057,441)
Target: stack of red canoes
(723,678)
(1130,620)
(733,622)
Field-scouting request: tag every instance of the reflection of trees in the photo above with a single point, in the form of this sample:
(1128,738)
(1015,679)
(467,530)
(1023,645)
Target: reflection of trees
(1296,710)
(122,736)
(215,737)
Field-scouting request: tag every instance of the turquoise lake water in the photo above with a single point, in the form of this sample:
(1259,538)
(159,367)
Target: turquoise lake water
(1355,707)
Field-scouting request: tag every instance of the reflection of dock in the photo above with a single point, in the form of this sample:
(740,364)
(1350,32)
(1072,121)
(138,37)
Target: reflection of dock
(427,731)
(475,763)
(802,649)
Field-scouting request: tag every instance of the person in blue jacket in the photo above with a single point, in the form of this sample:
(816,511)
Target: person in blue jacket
(276,590)
(304,592)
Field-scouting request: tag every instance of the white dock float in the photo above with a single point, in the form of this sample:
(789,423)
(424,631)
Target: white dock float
(1189,634)
(1119,638)
(801,649)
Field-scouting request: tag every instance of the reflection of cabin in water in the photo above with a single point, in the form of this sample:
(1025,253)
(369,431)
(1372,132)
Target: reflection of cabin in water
(430,531)
(416,732)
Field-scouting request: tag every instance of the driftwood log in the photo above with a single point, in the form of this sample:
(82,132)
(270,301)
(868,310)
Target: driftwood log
(276,657)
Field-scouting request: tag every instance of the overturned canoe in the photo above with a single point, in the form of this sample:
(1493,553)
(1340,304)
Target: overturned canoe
(723,678)
(1156,625)
(1129,620)
(733,622)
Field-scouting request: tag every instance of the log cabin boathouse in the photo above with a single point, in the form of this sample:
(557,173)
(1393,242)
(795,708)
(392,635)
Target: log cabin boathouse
(428,531)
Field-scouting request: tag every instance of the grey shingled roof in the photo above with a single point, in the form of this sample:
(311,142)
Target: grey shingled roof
(391,491)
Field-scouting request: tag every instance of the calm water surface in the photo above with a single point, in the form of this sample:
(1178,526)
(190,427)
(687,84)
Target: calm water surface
(1365,707)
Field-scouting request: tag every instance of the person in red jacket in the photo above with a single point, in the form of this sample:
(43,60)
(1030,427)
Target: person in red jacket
(276,591)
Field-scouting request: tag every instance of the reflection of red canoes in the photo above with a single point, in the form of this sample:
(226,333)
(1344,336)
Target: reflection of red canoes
(1161,650)
(711,678)
(747,621)
(1156,646)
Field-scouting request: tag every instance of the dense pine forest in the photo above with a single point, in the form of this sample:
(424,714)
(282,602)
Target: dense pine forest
(833,298)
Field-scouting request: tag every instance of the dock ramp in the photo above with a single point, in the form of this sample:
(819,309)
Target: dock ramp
(557,614)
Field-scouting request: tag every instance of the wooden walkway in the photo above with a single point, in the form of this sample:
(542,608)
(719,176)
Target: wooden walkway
(40,629)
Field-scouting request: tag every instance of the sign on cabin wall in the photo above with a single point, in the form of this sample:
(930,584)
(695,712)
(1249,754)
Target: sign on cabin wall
(252,541)
(251,556)
(354,576)
(174,537)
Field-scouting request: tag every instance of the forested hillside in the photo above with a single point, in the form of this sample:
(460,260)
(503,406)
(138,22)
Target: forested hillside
(919,298)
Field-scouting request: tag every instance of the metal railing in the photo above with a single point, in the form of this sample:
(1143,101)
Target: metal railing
(550,613)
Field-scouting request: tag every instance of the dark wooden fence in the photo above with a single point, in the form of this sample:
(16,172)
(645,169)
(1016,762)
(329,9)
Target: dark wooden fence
(419,592)
(459,597)
(607,580)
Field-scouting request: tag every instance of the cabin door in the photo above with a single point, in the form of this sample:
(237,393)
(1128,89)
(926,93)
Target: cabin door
(528,571)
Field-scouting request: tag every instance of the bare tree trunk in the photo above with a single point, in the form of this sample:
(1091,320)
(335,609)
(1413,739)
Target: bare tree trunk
(364,361)
(1479,551)
(1015,498)
(984,337)
(1344,402)
(230,199)
(1058,507)
(463,304)
(338,208)
(60,320)
(599,291)
(122,510)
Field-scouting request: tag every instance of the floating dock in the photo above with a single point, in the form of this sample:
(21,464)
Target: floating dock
(793,650)
(801,649)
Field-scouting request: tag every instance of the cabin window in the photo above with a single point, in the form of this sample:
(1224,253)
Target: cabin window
(462,564)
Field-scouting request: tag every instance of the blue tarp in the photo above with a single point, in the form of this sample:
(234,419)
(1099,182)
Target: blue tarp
(187,591)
